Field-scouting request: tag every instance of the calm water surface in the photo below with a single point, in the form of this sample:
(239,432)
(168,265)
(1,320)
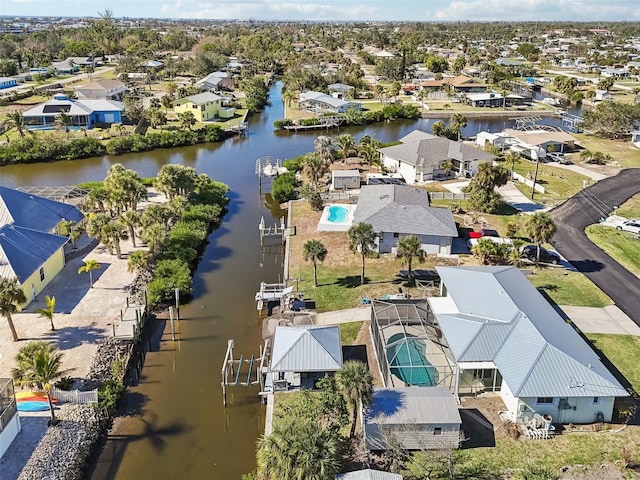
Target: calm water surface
(183,431)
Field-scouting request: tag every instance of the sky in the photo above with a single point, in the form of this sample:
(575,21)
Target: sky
(347,10)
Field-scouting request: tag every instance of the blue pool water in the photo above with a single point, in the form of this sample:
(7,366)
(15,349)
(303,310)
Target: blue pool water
(337,214)
(408,363)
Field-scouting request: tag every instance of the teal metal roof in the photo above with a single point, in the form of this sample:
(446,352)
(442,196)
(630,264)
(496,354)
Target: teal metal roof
(502,318)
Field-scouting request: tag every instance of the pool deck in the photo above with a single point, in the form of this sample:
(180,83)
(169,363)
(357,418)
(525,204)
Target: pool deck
(326,225)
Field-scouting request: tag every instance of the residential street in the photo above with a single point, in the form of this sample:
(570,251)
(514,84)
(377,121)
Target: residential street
(585,208)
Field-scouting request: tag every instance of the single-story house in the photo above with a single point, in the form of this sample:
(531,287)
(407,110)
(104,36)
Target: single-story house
(601,95)
(30,248)
(489,99)
(216,81)
(204,106)
(421,156)
(345,179)
(7,82)
(151,64)
(614,72)
(322,103)
(339,90)
(417,418)
(105,89)
(499,140)
(73,64)
(501,330)
(397,211)
(85,113)
(459,84)
(543,139)
(368,474)
(635,138)
(302,355)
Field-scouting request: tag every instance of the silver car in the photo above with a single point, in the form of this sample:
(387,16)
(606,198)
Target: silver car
(632,226)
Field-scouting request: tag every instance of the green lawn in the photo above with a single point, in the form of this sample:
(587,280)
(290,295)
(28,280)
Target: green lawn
(568,288)
(623,351)
(559,183)
(623,152)
(624,247)
(630,208)
(349,332)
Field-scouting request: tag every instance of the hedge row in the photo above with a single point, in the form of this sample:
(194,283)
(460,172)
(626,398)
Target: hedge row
(42,147)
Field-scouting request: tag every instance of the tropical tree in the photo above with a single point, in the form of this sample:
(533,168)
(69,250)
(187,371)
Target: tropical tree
(539,227)
(491,252)
(11,297)
(114,232)
(131,220)
(63,121)
(139,261)
(362,239)
(586,155)
(39,366)
(347,145)
(355,381)
(457,123)
(154,236)
(379,91)
(157,118)
(483,184)
(186,119)
(409,249)
(316,167)
(314,251)
(324,147)
(512,158)
(167,102)
(49,310)
(89,266)
(174,179)
(16,120)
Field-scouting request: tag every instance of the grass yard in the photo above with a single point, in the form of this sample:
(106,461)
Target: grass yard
(349,332)
(630,208)
(623,351)
(624,153)
(623,247)
(568,288)
(559,183)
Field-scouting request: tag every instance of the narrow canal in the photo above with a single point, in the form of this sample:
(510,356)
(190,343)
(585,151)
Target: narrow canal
(180,428)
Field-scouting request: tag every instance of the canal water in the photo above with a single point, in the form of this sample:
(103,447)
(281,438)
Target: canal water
(180,428)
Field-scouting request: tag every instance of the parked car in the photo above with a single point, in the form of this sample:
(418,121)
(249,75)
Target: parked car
(530,252)
(559,157)
(632,226)
(484,232)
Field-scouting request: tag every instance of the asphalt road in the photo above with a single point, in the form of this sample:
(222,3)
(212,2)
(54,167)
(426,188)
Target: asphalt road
(586,208)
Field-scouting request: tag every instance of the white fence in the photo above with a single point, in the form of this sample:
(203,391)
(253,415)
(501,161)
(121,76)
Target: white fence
(75,396)
(527,182)
(449,196)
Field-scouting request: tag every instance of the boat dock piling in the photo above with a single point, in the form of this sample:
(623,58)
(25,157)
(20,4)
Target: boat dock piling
(232,369)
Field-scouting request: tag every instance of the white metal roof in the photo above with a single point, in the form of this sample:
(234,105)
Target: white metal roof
(413,405)
(306,348)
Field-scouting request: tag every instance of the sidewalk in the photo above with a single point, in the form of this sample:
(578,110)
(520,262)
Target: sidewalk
(609,319)
(517,200)
(358,314)
(581,170)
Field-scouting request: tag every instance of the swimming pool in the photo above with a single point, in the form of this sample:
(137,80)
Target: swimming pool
(336,218)
(408,362)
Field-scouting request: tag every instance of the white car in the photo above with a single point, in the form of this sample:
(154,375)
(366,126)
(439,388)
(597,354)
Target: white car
(632,226)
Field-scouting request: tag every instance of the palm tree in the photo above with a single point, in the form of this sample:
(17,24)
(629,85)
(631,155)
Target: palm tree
(11,297)
(511,159)
(379,91)
(457,123)
(355,382)
(539,227)
(139,261)
(167,102)
(63,121)
(347,145)
(410,248)
(157,118)
(131,219)
(586,155)
(89,266)
(40,369)
(16,120)
(324,146)
(314,251)
(48,312)
(154,236)
(114,232)
(362,239)
(187,120)
(316,167)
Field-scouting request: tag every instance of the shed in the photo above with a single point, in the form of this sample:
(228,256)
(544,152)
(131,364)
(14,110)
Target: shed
(345,179)
(419,418)
(368,474)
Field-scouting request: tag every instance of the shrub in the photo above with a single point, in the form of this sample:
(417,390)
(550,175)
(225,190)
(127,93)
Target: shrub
(169,275)
(285,122)
(283,188)
(65,383)
(294,164)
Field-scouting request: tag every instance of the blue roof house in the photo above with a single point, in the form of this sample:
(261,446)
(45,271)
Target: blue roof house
(7,82)
(86,113)
(30,250)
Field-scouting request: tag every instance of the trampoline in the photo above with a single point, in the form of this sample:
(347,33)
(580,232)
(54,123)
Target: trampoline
(408,362)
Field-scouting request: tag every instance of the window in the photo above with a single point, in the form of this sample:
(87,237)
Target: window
(437,431)
(41,274)
(596,400)
(544,401)
(396,235)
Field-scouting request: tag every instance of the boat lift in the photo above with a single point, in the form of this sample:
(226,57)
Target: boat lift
(271,235)
(271,292)
(232,375)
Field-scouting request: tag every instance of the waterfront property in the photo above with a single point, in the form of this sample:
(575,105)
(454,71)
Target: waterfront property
(336,218)
(105,89)
(543,140)
(415,418)
(84,113)
(459,84)
(515,342)
(204,106)
(30,248)
(397,211)
(302,355)
(318,103)
(421,156)
(7,82)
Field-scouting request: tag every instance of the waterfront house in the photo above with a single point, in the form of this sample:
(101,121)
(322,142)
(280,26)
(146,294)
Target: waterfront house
(85,113)
(504,335)
(416,418)
(397,211)
(542,140)
(490,99)
(104,89)
(216,81)
(31,248)
(339,90)
(7,82)
(318,103)
(601,95)
(302,355)
(73,64)
(459,84)
(204,106)
(421,156)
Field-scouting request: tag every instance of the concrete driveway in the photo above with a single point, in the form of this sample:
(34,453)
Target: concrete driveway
(586,208)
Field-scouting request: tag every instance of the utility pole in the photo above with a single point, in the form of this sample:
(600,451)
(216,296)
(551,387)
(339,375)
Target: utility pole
(535,177)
